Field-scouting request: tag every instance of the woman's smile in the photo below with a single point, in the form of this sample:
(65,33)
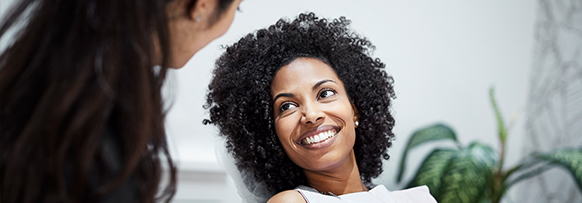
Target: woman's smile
(321,137)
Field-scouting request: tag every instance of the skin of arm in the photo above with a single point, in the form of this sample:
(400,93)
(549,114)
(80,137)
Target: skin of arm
(288,196)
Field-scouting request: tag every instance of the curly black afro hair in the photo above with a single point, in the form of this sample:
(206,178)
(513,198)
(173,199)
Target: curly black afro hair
(239,96)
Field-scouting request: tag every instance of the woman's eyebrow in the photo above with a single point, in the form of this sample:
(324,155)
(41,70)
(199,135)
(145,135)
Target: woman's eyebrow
(283,95)
(314,87)
(321,82)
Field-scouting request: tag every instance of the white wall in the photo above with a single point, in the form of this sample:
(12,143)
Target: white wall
(444,56)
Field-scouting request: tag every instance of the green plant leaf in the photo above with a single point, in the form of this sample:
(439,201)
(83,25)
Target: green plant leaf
(467,175)
(528,167)
(425,135)
(431,170)
(537,163)
(570,159)
(484,199)
(528,172)
(500,125)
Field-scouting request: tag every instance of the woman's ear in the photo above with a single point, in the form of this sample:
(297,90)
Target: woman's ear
(189,9)
(200,9)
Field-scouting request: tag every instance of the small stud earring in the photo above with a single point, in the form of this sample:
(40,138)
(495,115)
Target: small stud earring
(197,18)
(357,123)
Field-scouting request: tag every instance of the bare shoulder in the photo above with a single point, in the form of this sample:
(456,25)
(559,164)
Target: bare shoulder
(287,196)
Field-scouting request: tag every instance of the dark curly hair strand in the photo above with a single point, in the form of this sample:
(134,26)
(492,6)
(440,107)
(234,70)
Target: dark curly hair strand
(240,103)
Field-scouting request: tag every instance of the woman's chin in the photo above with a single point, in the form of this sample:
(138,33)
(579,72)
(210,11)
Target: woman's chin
(327,162)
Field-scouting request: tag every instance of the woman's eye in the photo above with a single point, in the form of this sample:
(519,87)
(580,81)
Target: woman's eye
(326,93)
(286,106)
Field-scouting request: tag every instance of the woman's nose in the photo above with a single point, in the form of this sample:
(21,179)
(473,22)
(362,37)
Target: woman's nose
(312,114)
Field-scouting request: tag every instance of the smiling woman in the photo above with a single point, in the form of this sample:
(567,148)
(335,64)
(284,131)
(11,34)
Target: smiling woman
(306,112)
(314,118)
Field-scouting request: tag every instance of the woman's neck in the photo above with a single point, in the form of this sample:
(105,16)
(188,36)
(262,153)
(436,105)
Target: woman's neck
(340,180)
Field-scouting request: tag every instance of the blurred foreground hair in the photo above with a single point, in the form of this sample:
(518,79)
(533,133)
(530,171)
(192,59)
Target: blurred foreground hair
(78,90)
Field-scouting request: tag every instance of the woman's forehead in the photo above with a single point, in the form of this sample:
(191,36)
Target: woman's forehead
(303,71)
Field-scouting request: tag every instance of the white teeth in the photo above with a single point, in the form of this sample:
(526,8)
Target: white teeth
(319,137)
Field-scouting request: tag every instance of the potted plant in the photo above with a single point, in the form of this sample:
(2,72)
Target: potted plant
(475,173)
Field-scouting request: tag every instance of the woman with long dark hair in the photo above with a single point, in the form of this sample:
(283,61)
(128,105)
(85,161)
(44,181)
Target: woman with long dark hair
(81,112)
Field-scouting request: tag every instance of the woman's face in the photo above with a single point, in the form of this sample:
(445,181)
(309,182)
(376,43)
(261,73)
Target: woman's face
(190,31)
(314,119)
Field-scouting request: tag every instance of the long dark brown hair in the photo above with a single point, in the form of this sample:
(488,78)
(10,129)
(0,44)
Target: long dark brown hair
(78,70)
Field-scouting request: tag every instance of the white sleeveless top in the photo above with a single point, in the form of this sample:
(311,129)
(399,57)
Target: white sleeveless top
(378,194)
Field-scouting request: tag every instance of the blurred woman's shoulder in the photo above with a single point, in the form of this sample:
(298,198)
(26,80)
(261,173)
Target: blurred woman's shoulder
(287,196)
